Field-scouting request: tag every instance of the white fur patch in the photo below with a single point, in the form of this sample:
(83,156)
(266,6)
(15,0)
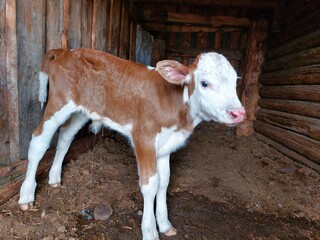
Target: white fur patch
(163,169)
(169,140)
(43,85)
(150,68)
(98,121)
(148,226)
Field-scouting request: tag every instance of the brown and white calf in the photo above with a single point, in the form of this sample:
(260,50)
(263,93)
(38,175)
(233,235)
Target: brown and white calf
(156,109)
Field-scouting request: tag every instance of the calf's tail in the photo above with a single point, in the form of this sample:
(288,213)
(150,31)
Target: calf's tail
(43,74)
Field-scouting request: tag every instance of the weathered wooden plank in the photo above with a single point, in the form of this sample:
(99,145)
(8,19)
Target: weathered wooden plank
(15,139)
(301,144)
(4,124)
(235,40)
(100,29)
(229,54)
(202,40)
(307,126)
(251,4)
(297,10)
(158,51)
(308,109)
(133,31)
(54,19)
(116,27)
(299,59)
(65,28)
(121,30)
(288,152)
(86,23)
(306,75)
(295,45)
(294,92)
(110,25)
(31,48)
(13,175)
(206,20)
(254,60)
(163,27)
(300,27)
(74,33)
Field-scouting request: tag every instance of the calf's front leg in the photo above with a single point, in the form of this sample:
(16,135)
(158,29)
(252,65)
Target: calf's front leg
(149,183)
(163,170)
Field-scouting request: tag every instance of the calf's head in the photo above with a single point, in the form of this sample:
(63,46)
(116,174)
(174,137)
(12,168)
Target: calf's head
(213,81)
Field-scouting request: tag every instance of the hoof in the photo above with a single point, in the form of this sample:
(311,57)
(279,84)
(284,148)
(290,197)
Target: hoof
(171,232)
(55,185)
(26,206)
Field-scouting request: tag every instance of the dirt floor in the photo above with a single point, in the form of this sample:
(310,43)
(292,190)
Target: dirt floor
(222,187)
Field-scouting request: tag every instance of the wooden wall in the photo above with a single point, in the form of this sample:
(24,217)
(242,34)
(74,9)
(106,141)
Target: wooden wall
(28,29)
(289,118)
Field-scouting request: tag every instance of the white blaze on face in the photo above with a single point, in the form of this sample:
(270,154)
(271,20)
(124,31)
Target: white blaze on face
(215,94)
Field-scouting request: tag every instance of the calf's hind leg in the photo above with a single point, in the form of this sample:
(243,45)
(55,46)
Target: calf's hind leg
(66,136)
(39,144)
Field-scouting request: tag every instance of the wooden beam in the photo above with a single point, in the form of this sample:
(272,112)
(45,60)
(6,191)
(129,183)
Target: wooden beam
(163,27)
(305,57)
(290,153)
(307,75)
(4,107)
(158,51)
(301,144)
(250,84)
(304,25)
(66,14)
(294,92)
(12,80)
(31,29)
(54,24)
(94,25)
(306,126)
(251,4)
(308,109)
(229,54)
(295,45)
(206,20)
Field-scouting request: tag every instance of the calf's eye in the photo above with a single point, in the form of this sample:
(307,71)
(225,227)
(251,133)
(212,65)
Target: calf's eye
(204,84)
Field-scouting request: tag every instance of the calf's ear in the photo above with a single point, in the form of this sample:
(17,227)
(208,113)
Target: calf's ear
(173,71)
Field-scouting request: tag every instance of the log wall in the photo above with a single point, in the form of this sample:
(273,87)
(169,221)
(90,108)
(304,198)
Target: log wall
(28,29)
(289,117)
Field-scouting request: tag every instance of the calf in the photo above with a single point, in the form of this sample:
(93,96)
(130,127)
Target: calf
(155,108)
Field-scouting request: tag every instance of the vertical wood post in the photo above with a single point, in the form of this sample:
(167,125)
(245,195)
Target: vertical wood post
(64,41)
(12,79)
(109,49)
(94,25)
(256,49)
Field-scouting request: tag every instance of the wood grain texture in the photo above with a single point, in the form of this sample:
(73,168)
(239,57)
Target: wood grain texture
(309,109)
(301,144)
(54,24)
(4,123)
(31,48)
(306,126)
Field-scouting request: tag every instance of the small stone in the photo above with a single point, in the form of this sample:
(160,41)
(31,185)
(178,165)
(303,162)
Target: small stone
(103,211)
(301,214)
(61,229)
(140,213)
(287,170)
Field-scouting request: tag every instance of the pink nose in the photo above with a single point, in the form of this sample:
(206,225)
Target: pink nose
(238,115)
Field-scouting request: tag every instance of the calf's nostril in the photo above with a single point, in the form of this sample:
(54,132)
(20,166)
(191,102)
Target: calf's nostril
(237,113)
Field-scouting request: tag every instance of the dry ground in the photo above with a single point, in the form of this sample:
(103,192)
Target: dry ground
(222,187)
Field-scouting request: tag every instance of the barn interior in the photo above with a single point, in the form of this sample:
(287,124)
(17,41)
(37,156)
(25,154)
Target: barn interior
(274,45)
